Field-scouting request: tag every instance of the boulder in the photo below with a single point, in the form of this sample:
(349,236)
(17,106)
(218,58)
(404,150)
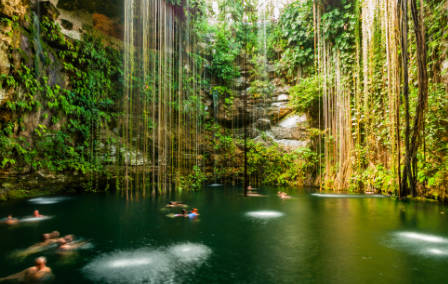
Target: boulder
(283,98)
(263,124)
(291,145)
(278,111)
(282,90)
(295,133)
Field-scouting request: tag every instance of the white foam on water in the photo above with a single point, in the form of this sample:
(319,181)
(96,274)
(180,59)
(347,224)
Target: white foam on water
(264,214)
(138,266)
(47,200)
(423,237)
(190,252)
(437,252)
(35,219)
(330,195)
(163,265)
(130,262)
(215,185)
(419,244)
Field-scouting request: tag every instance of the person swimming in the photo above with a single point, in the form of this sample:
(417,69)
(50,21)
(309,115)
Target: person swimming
(183,213)
(193,213)
(69,244)
(36,214)
(48,240)
(37,273)
(50,236)
(283,195)
(10,220)
(176,204)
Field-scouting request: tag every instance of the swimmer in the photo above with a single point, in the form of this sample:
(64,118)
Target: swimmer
(70,246)
(193,214)
(36,214)
(11,221)
(176,204)
(183,213)
(68,243)
(49,239)
(39,272)
(283,195)
(251,192)
(50,236)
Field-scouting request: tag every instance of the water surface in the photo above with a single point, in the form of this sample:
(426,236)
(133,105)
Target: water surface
(307,239)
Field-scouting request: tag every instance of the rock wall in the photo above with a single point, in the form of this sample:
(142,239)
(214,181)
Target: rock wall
(33,67)
(10,39)
(268,118)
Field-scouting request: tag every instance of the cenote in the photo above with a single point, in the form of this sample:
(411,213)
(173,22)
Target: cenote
(236,239)
(329,115)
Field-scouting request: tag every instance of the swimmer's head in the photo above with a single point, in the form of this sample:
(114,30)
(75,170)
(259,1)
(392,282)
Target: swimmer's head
(9,217)
(52,235)
(41,261)
(36,213)
(55,234)
(68,238)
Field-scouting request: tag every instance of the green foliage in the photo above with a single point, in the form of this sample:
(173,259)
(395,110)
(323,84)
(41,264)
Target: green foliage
(273,166)
(260,89)
(192,182)
(224,53)
(290,43)
(294,38)
(305,96)
(63,138)
(338,28)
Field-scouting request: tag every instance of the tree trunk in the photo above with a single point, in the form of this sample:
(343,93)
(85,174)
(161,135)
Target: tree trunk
(423,88)
(404,191)
(413,143)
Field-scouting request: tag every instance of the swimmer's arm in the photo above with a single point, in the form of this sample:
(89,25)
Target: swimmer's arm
(76,245)
(17,276)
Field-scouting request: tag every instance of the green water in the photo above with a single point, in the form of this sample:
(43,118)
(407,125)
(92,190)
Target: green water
(309,239)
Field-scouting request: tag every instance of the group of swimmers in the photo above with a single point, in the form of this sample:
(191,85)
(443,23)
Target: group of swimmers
(53,240)
(251,192)
(194,213)
(10,220)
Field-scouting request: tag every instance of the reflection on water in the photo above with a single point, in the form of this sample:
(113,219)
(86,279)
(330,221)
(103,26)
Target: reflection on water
(190,253)
(215,185)
(436,251)
(148,265)
(47,200)
(32,219)
(331,195)
(422,237)
(419,243)
(264,214)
